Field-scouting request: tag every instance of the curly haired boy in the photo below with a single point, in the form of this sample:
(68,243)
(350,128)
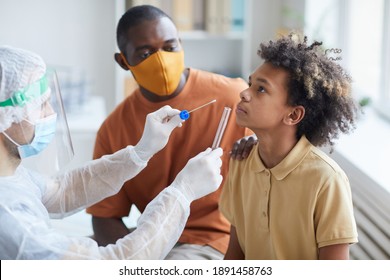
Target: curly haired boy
(288,199)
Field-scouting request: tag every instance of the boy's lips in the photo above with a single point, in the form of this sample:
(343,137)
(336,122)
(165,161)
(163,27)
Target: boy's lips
(240,110)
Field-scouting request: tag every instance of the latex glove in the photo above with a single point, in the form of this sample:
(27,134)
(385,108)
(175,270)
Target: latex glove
(201,175)
(158,128)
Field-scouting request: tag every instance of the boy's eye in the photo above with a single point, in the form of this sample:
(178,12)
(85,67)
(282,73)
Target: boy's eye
(249,84)
(261,89)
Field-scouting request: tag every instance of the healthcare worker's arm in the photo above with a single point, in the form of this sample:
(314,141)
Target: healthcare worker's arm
(159,227)
(163,220)
(82,187)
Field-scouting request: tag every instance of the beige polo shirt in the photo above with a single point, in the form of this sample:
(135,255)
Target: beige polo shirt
(292,209)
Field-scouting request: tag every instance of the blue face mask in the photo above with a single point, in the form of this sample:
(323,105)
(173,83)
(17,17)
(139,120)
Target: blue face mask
(44,132)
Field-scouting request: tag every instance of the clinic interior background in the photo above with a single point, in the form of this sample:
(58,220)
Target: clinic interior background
(77,38)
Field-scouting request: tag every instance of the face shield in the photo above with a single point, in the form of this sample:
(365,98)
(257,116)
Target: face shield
(41,138)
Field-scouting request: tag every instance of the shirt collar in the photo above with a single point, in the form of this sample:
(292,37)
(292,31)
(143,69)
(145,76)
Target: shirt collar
(256,164)
(288,164)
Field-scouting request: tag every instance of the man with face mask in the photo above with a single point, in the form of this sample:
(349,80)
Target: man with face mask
(150,48)
(30,120)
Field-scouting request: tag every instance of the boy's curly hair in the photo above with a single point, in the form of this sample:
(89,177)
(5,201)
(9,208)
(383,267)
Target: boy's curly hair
(317,83)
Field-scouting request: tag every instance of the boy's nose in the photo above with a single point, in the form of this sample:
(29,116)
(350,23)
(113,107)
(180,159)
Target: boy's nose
(244,95)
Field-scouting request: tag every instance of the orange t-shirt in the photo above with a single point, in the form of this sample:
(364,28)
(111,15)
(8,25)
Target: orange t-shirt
(124,126)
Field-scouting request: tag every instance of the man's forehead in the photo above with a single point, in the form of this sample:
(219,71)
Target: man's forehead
(158,30)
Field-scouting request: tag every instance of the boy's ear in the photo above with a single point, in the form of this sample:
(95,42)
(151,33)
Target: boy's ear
(120,60)
(295,116)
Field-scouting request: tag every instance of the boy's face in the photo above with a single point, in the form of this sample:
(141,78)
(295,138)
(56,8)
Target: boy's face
(149,37)
(263,106)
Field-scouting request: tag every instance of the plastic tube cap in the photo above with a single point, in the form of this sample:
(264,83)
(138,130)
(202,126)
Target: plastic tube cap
(184,115)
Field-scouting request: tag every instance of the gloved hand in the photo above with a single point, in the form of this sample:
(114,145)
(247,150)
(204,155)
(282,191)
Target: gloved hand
(158,128)
(201,175)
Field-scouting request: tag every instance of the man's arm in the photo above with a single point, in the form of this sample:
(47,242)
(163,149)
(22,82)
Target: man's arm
(108,230)
(334,252)
(234,251)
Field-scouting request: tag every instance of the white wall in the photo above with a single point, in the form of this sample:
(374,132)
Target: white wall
(71,33)
(268,18)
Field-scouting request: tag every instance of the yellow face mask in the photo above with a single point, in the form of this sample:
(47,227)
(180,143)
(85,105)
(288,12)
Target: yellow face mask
(160,73)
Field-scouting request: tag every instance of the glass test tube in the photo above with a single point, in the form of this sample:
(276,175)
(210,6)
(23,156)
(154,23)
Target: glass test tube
(221,127)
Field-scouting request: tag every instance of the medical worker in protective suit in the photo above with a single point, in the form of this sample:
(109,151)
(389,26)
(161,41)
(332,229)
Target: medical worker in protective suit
(32,121)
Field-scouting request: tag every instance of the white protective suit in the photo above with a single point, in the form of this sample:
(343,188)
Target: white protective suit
(27,199)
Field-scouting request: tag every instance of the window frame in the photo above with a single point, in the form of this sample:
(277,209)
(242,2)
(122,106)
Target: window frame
(383,106)
(343,16)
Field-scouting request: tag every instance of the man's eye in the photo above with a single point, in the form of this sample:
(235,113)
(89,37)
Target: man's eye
(261,89)
(145,55)
(171,48)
